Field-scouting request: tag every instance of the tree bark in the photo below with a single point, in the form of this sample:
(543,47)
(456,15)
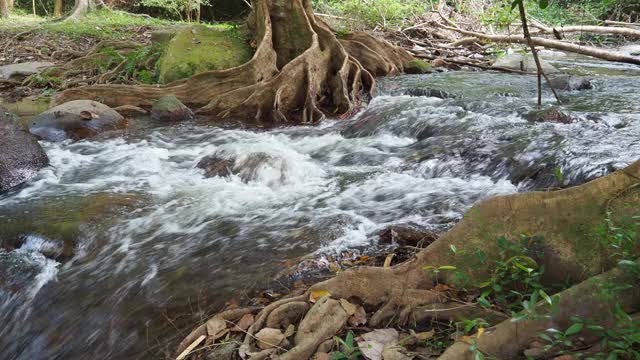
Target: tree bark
(80,8)
(4,9)
(621,31)
(299,73)
(57,8)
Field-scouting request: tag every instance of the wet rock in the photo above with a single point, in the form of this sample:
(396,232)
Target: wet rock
(418,66)
(215,166)
(21,156)
(78,119)
(130,111)
(425,133)
(571,83)
(407,235)
(553,115)
(249,167)
(523,63)
(169,108)
(428,93)
(225,351)
(22,70)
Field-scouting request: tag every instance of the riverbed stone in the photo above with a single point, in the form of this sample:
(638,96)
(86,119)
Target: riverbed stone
(552,115)
(418,66)
(21,156)
(406,235)
(215,166)
(570,83)
(22,70)
(441,94)
(170,109)
(524,63)
(78,119)
(197,49)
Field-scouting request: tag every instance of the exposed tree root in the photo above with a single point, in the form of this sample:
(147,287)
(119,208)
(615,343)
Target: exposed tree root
(407,293)
(299,72)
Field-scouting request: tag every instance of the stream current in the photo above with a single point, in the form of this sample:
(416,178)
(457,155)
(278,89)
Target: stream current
(122,245)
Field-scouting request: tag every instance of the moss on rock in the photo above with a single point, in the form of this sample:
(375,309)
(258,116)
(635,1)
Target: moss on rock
(199,48)
(418,66)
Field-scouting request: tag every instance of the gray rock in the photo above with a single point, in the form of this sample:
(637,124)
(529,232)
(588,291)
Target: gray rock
(169,108)
(78,119)
(407,235)
(21,156)
(570,83)
(22,70)
(429,93)
(215,166)
(524,63)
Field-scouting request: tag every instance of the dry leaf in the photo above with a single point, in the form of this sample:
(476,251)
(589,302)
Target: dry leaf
(373,343)
(394,352)
(317,295)
(191,347)
(216,327)
(291,329)
(244,323)
(321,356)
(348,307)
(269,338)
(359,317)
(387,261)
(480,331)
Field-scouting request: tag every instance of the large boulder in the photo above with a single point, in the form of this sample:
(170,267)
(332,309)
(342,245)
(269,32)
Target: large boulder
(21,156)
(418,66)
(198,48)
(169,108)
(215,166)
(78,119)
(570,83)
(22,70)
(523,63)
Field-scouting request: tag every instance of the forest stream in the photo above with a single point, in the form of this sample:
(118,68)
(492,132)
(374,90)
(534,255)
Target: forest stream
(122,244)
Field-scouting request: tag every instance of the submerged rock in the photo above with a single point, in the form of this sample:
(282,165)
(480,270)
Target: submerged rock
(570,83)
(429,93)
(553,115)
(524,63)
(78,119)
(215,166)
(169,108)
(21,156)
(22,70)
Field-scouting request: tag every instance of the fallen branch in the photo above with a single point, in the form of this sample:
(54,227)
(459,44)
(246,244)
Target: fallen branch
(610,30)
(553,44)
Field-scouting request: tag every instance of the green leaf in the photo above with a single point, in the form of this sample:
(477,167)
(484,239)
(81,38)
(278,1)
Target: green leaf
(546,297)
(349,340)
(338,356)
(454,249)
(545,337)
(574,329)
(479,356)
(543,4)
(447,267)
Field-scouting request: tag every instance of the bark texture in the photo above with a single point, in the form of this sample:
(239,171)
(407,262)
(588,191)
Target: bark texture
(300,72)
(4,9)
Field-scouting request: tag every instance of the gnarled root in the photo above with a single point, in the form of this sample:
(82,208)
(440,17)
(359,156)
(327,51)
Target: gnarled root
(593,299)
(406,293)
(299,72)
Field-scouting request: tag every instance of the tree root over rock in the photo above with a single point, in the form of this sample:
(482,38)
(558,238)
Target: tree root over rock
(406,293)
(299,72)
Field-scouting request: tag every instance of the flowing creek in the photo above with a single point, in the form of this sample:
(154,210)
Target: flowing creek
(119,247)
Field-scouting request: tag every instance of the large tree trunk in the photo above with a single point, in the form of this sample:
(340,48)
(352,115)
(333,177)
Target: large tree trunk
(299,72)
(57,8)
(4,9)
(80,8)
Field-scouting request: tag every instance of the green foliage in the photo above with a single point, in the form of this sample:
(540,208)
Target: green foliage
(177,8)
(384,13)
(350,350)
(516,274)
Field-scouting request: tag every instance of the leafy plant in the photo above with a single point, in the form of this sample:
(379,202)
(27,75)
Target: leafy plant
(349,349)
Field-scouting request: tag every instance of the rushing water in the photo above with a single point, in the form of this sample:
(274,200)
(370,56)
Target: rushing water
(122,244)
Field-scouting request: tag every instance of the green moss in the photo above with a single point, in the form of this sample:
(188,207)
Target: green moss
(417,66)
(199,48)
